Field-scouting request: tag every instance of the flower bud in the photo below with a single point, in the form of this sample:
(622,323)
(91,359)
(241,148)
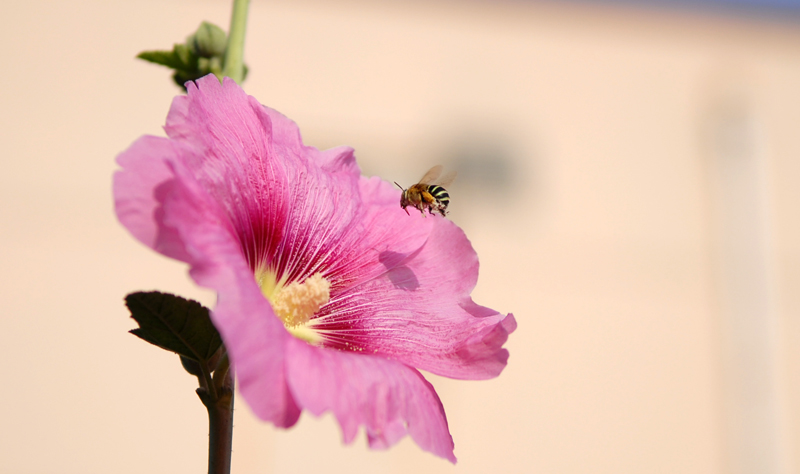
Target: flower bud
(208,41)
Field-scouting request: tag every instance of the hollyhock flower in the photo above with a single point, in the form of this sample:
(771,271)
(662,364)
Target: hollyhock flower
(330,297)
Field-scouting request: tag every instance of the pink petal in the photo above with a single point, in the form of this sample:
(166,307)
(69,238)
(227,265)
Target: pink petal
(388,398)
(137,194)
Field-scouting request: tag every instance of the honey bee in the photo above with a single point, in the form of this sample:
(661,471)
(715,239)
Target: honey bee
(428,193)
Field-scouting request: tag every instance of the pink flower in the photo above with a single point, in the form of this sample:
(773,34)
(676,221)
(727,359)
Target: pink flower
(329,296)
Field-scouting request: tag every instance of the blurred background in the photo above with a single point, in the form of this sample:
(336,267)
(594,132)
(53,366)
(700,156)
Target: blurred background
(627,173)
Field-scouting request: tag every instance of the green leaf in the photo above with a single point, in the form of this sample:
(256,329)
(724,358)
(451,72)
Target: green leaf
(175,324)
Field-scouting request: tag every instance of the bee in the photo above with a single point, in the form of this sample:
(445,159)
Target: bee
(428,193)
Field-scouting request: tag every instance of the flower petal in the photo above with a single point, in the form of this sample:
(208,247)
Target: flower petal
(137,194)
(388,398)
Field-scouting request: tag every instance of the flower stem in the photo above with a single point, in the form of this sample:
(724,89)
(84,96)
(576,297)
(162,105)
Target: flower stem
(220,434)
(234,53)
(219,404)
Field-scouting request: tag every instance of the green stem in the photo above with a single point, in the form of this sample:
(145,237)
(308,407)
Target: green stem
(234,53)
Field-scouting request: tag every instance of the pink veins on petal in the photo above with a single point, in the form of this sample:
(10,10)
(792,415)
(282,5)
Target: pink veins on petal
(330,297)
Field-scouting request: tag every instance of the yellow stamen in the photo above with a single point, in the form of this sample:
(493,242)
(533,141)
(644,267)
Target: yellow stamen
(296,303)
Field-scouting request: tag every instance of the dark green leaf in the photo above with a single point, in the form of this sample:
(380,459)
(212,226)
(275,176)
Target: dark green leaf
(192,366)
(175,324)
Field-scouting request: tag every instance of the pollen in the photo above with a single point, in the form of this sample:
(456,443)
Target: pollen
(296,303)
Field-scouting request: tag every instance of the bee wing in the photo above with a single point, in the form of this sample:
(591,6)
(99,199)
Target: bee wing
(447,179)
(431,175)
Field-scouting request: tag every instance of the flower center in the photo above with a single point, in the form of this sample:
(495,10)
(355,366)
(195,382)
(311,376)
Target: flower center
(296,303)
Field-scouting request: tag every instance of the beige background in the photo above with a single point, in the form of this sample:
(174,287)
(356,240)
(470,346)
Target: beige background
(627,176)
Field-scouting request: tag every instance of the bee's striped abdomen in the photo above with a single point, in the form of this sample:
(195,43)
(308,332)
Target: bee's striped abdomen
(441,196)
(439,193)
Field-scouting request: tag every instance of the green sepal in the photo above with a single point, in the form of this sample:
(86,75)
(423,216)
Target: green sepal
(180,58)
(175,324)
(188,60)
